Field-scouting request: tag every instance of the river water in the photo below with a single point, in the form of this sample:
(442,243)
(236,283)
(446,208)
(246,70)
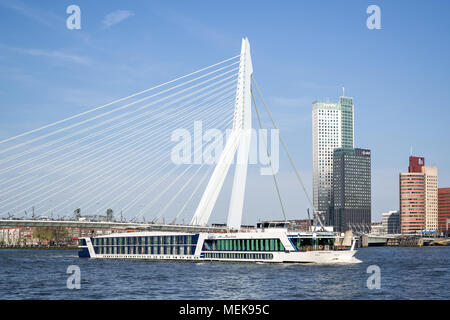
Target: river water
(405,273)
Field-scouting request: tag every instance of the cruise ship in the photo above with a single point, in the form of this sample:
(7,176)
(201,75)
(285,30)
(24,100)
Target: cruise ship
(270,242)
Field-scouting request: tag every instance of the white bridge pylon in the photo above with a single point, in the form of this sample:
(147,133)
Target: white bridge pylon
(239,140)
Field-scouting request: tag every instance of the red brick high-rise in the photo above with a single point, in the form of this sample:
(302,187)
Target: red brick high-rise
(418,198)
(412,202)
(416,164)
(443,209)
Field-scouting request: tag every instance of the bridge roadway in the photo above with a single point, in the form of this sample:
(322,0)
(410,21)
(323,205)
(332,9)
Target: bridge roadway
(108,225)
(398,239)
(378,240)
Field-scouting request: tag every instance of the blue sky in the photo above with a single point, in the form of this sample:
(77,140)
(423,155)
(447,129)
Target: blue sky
(302,51)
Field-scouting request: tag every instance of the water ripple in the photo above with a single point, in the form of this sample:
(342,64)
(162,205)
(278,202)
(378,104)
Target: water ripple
(406,273)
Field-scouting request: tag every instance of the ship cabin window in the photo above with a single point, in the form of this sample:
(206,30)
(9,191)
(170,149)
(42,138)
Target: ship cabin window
(239,256)
(175,245)
(310,244)
(277,225)
(243,245)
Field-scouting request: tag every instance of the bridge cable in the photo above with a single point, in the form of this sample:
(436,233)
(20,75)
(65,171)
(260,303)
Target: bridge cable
(83,148)
(93,127)
(207,174)
(268,156)
(283,144)
(113,102)
(108,155)
(160,169)
(103,164)
(151,203)
(114,110)
(111,164)
(289,156)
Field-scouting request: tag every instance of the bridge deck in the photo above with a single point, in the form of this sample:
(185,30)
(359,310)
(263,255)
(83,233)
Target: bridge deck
(106,224)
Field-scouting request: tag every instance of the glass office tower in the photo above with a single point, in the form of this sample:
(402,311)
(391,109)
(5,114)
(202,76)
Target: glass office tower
(332,126)
(351,196)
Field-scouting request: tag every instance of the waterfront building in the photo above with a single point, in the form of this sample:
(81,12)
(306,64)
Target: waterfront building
(431,197)
(443,210)
(11,236)
(34,236)
(418,197)
(416,164)
(378,229)
(18,236)
(391,222)
(351,193)
(332,127)
(412,202)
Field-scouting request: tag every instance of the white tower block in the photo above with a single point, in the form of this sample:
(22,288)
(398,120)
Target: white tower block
(239,137)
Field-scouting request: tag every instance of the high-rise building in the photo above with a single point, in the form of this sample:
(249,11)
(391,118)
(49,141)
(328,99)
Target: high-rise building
(391,222)
(377,228)
(418,197)
(351,196)
(416,164)
(443,210)
(412,202)
(332,126)
(431,197)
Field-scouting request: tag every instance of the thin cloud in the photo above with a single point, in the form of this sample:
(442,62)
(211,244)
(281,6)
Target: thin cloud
(58,55)
(53,54)
(40,16)
(116,17)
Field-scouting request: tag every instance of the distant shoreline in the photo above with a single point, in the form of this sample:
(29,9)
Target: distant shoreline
(41,248)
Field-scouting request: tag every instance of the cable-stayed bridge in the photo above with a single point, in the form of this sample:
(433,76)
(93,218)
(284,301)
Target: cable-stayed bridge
(109,225)
(145,155)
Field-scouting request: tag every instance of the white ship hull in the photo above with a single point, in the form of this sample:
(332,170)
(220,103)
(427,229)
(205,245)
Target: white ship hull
(275,246)
(322,257)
